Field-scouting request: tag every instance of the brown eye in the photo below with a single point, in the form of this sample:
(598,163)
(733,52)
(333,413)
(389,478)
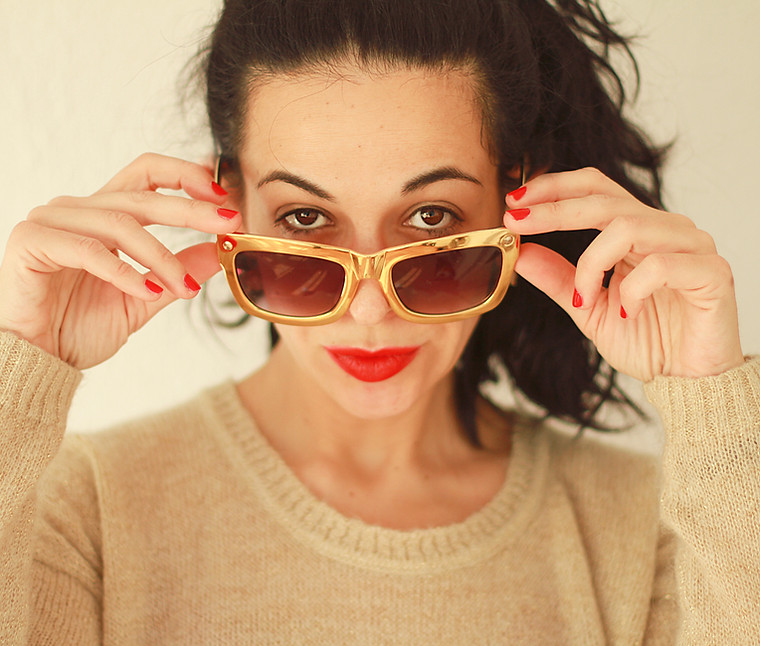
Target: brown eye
(432,217)
(305,219)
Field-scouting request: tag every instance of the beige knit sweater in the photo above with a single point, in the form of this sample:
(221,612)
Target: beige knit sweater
(188,528)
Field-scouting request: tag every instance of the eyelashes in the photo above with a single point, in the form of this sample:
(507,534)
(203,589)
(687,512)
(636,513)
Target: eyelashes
(428,219)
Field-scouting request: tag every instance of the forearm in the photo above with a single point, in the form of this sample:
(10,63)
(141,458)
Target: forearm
(35,394)
(711,490)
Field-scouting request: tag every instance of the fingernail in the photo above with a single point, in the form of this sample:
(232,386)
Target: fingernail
(518,193)
(156,289)
(519,214)
(577,299)
(191,283)
(623,314)
(218,189)
(227,214)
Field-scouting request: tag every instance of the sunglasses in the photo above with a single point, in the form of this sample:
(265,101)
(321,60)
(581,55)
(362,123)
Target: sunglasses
(431,281)
(303,283)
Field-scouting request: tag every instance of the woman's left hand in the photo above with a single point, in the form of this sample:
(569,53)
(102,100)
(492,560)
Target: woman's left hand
(670,307)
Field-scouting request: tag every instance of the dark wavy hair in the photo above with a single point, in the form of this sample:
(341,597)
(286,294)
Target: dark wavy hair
(548,93)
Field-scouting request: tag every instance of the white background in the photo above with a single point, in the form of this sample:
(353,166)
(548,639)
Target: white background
(88,85)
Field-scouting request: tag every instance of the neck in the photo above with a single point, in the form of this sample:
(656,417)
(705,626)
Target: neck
(315,428)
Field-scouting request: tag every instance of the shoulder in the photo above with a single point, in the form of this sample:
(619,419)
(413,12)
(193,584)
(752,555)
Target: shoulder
(611,496)
(591,464)
(161,446)
(614,495)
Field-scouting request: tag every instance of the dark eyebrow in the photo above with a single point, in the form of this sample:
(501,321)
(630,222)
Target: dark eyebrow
(295,180)
(414,184)
(437,175)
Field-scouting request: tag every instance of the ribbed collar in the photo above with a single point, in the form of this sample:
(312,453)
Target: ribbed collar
(355,542)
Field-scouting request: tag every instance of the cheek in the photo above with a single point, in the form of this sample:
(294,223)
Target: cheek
(448,342)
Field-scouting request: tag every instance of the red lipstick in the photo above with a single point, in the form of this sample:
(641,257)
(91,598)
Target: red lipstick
(373,365)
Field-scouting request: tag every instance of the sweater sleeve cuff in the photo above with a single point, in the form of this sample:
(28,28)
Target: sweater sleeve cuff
(709,404)
(34,384)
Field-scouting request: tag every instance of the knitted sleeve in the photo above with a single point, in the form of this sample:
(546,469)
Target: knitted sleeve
(36,390)
(711,501)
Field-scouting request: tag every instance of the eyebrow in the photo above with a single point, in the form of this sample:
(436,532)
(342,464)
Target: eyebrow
(415,184)
(295,180)
(437,175)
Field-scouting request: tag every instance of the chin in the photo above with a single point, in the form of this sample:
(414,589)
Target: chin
(375,401)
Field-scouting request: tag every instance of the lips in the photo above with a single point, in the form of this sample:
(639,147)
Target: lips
(373,365)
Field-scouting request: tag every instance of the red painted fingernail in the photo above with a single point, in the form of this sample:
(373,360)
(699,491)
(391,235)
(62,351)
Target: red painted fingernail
(191,283)
(227,214)
(623,314)
(156,289)
(577,299)
(218,189)
(519,214)
(518,193)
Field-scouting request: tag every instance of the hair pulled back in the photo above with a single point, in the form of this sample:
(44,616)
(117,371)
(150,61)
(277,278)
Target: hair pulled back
(549,96)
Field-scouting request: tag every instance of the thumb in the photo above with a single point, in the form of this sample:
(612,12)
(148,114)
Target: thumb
(202,263)
(551,273)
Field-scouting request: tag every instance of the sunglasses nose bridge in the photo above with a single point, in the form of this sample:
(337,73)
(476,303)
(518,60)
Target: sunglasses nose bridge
(367,266)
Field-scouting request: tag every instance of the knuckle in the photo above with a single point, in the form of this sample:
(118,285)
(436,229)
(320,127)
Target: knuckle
(655,264)
(145,159)
(723,270)
(164,255)
(683,220)
(593,176)
(627,291)
(36,214)
(140,197)
(21,231)
(554,209)
(586,260)
(120,220)
(197,206)
(705,241)
(122,270)
(90,247)
(625,224)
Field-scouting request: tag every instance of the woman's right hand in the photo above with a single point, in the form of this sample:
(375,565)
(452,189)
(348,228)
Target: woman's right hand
(63,286)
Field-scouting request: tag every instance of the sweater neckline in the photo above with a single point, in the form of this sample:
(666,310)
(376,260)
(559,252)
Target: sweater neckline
(353,541)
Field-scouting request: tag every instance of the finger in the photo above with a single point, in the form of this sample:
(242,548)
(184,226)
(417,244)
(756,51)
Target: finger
(45,251)
(548,271)
(148,207)
(202,263)
(151,171)
(591,212)
(633,238)
(703,281)
(551,187)
(120,231)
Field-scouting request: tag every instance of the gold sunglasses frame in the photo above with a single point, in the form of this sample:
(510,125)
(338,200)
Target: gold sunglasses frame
(358,267)
(378,266)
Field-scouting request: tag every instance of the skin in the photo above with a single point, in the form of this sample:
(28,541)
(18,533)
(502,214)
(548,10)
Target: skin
(389,452)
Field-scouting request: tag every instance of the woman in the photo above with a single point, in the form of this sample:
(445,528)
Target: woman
(357,488)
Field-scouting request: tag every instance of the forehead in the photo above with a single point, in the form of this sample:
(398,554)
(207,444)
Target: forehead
(347,118)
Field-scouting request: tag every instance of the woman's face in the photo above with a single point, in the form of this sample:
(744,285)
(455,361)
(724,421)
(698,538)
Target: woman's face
(367,161)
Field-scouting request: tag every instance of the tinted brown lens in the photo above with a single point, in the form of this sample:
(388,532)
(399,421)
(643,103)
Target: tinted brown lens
(449,281)
(290,285)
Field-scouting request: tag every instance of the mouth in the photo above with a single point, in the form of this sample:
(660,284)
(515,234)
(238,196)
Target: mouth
(373,365)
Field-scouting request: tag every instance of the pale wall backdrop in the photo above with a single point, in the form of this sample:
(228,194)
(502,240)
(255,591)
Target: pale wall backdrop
(88,85)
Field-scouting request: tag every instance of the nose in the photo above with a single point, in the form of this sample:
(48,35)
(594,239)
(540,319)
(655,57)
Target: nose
(369,306)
